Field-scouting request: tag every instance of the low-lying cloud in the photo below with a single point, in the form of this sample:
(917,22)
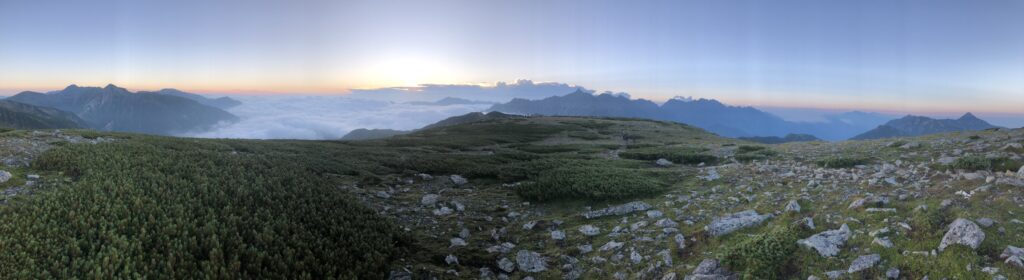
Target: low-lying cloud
(500,92)
(326,117)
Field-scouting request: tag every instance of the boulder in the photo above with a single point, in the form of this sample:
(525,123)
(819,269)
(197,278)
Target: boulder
(963,232)
(506,265)
(793,206)
(618,210)
(529,261)
(736,221)
(429,199)
(458,180)
(711,269)
(589,230)
(864,262)
(663,162)
(827,243)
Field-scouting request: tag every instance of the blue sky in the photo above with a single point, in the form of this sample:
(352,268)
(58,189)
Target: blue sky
(908,56)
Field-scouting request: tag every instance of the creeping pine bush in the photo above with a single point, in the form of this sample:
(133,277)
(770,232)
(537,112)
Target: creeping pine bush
(682,155)
(843,161)
(186,209)
(588,183)
(749,153)
(976,163)
(765,255)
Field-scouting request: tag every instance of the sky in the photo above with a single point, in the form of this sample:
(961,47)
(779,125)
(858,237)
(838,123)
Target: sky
(886,55)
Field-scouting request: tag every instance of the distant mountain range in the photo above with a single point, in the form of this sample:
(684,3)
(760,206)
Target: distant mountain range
(918,125)
(116,109)
(222,102)
(779,140)
(25,116)
(452,101)
(367,134)
(709,114)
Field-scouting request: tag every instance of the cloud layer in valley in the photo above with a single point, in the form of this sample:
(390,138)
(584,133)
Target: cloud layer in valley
(500,92)
(326,117)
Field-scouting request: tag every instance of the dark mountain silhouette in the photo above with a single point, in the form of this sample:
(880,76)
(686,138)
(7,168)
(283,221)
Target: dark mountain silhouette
(368,134)
(780,140)
(222,102)
(24,116)
(709,114)
(116,109)
(918,125)
(451,101)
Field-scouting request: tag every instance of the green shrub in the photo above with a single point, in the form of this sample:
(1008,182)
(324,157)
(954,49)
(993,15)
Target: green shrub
(972,163)
(681,155)
(750,153)
(929,222)
(765,255)
(843,161)
(171,208)
(595,183)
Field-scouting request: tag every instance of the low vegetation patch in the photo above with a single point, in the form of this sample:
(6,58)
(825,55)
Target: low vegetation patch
(681,155)
(747,153)
(764,255)
(162,207)
(843,161)
(589,183)
(978,163)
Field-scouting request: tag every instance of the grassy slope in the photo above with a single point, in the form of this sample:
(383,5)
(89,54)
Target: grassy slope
(228,207)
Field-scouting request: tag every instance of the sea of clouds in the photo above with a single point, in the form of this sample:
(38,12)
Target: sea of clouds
(326,117)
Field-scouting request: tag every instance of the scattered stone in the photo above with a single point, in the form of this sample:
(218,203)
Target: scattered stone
(654,214)
(429,199)
(635,257)
(380,194)
(586,248)
(529,261)
(32,177)
(827,243)
(793,206)
(711,176)
(1014,256)
(663,162)
(890,210)
(589,230)
(425,177)
(4,176)
(451,260)
(883,241)
(506,265)
(681,241)
(963,232)
(558,235)
(985,222)
(618,210)
(856,203)
(666,223)
(456,242)
(443,211)
(728,224)
(458,180)
(893,273)
(864,262)
(611,245)
(529,225)
(711,269)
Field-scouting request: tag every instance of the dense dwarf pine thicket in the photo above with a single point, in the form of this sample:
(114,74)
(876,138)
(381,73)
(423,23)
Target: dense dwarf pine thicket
(178,209)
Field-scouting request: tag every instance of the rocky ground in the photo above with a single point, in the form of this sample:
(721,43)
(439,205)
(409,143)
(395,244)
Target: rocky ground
(906,214)
(19,148)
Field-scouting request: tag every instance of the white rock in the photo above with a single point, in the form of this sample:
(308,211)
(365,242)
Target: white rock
(458,180)
(736,221)
(529,261)
(864,262)
(589,230)
(558,235)
(963,232)
(4,176)
(506,265)
(611,245)
(827,243)
(793,206)
(458,242)
(451,260)
(429,199)
(663,162)
(618,210)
